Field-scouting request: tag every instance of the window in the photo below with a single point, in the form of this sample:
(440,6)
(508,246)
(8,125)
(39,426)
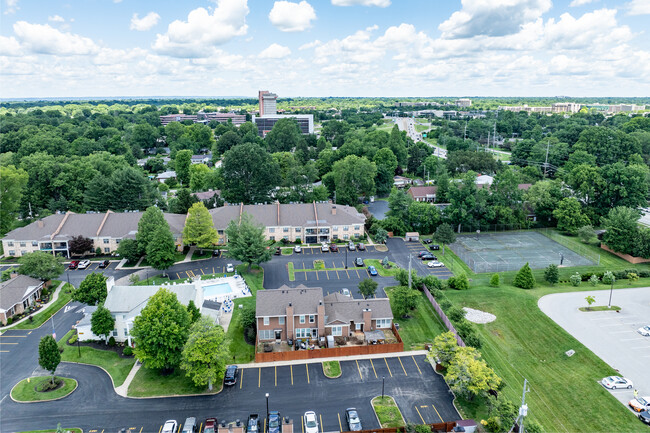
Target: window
(114,332)
(383,323)
(23,252)
(335,228)
(107,250)
(337,331)
(302,319)
(312,318)
(357,227)
(106,241)
(10,244)
(23,244)
(34,243)
(117,241)
(335,236)
(220,232)
(297,229)
(346,228)
(266,334)
(303,332)
(12,253)
(272,238)
(272,230)
(266,320)
(358,326)
(126,332)
(286,238)
(281,320)
(346,237)
(285,229)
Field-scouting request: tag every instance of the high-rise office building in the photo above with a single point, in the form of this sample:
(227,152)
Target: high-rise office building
(268,105)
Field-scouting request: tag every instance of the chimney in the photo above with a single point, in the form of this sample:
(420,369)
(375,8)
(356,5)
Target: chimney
(110,283)
(367,319)
(13,274)
(333,210)
(40,224)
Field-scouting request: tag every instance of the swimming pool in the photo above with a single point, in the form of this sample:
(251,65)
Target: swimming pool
(216,290)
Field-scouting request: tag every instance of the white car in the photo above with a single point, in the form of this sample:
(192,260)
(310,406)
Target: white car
(324,247)
(644,330)
(616,382)
(639,404)
(297,249)
(170,426)
(230,268)
(311,425)
(84,264)
(435,264)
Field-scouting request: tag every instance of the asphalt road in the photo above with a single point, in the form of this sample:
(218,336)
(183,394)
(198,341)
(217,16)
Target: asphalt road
(421,394)
(401,250)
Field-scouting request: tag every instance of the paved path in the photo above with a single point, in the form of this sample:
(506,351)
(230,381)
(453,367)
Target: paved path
(122,389)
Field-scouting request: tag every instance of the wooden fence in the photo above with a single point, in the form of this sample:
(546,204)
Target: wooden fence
(436,427)
(443,316)
(333,352)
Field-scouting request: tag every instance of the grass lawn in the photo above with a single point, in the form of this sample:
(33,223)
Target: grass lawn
(50,310)
(287,251)
(207,254)
(387,411)
(110,361)
(319,265)
(380,268)
(150,383)
(332,368)
(244,352)
(423,326)
(25,391)
(421,128)
(179,256)
(524,342)
(600,308)
(65,430)
(292,272)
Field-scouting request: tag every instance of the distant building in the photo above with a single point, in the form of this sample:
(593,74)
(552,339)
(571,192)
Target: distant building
(201,117)
(265,123)
(201,159)
(463,102)
(423,193)
(268,103)
(162,177)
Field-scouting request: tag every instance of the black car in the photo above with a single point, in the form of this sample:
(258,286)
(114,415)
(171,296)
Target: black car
(230,378)
(358,261)
(434,247)
(216,253)
(427,241)
(274,422)
(428,256)
(104,264)
(253,424)
(645,417)
(352,417)
(361,247)
(278,251)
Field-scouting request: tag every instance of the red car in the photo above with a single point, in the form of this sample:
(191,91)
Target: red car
(73,264)
(334,248)
(210,425)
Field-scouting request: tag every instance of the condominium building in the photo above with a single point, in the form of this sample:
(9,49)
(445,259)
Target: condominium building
(463,102)
(201,117)
(265,123)
(268,103)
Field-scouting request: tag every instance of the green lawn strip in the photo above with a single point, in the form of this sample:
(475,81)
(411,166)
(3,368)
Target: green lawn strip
(150,383)
(242,351)
(423,325)
(331,369)
(319,265)
(65,430)
(387,411)
(453,262)
(292,273)
(118,368)
(380,268)
(25,391)
(524,342)
(600,308)
(287,251)
(207,254)
(50,310)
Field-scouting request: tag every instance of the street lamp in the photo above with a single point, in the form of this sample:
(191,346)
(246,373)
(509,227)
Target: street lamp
(346,257)
(609,305)
(383,378)
(267,405)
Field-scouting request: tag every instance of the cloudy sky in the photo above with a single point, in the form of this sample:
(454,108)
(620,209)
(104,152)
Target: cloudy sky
(54,48)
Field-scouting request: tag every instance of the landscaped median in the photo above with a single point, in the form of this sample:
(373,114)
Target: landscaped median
(391,271)
(40,388)
(600,308)
(151,383)
(388,414)
(332,369)
(65,430)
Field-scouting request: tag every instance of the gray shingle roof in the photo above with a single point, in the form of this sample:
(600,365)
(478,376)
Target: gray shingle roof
(15,290)
(130,300)
(34,232)
(274,302)
(341,308)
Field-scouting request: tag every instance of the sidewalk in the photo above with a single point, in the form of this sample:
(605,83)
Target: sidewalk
(122,389)
(339,358)
(55,296)
(188,256)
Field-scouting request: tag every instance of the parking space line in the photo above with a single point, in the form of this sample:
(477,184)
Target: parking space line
(143,427)
(4,351)
(14,336)
(391,374)
(276,375)
(291,367)
(400,362)
(367,273)
(259,377)
(346,271)
(337,273)
(328,274)
(358,276)
(179,428)
(373,368)
(213,270)
(202,272)
(302,424)
(307,367)
(416,408)
(434,408)
(360,376)
(241,378)
(159,430)
(340,426)
(321,422)
(7,343)
(178,276)
(317,276)
(416,364)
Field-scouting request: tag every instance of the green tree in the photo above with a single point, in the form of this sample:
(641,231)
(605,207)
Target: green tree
(386,163)
(151,219)
(569,215)
(368,287)
(246,241)
(194,312)
(199,227)
(544,196)
(160,331)
(41,265)
(494,280)
(102,322)
(199,177)
(129,250)
(469,376)
(161,251)
(183,201)
(552,274)
(586,234)
(183,161)
(205,353)
(445,235)
(226,142)
(144,136)
(284,136)
(443,349)
(249,174)
(423,217)
(80,244)
(397,144)
(398,204)
(403,300)
(524,278)
(13,183)
(621,229)
(459,282)
(354,177)
(380,235)
(49,356)
(92,290)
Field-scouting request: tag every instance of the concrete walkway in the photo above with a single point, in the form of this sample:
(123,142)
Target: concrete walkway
(122,389)
(55,296)
(188,256)
(338,358)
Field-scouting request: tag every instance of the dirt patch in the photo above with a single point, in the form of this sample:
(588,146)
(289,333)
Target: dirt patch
(478,316)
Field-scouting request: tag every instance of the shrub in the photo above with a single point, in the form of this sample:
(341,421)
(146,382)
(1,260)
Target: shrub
(432,282)
(436,293)
(632,276)
(644,274)
(10,321)
(461,282)
(467,332)
(422,428)
(593,280)
(455,314)
(575,279)
(128,351)
(111,341)
(494,281)
(445,304)
(493,424)
(73,339)
(608,278)
(620,275)
(552,274)
(524,278)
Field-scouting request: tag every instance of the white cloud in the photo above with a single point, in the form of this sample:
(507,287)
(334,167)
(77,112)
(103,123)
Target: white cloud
(11,6)
(309,45)
(145,23)
(198,36)
(597,30)
(576,3)
(638,7)
(9,47)
(292,17)
(44,39)
(379,3)
(492,17)
(274,51)
(56,19)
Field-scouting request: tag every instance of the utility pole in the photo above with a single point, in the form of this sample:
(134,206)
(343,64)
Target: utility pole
(465,133)
(409,271)
(523,410)
(494,136)
(548,144)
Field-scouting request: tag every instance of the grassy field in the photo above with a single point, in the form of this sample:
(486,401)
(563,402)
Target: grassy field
(25,391)
(423,326)
(50,310)
(387,411)
(380,268)
(244,352)
(110,361)
(150,383)
(331,368)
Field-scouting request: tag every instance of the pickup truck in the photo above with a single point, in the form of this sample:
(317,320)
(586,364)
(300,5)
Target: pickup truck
(253,424)
(274,422)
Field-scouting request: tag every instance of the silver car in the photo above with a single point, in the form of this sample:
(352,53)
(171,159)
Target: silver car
(616,382)
(644,330)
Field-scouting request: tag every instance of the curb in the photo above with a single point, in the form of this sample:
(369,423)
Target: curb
(377,416)
(24,319)
(333,377)
(453,401)
(76,385)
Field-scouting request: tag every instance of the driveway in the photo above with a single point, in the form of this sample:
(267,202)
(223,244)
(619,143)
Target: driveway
(610,335)
(378,209)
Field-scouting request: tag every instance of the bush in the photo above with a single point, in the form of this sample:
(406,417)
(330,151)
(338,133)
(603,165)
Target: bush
(455,314)
(493,424)
(111,341)
(552,274)
(467,332)
(461,282)
(575,279)
(422,428)
(436,293)
(495,281)
(128,351)
(593,280)
(10,321)
(632,276)
(524,278)
(445,304)
(644,274)
(73,339)
(432,282)
(620,275)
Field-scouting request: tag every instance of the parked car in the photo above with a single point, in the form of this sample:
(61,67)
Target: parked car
(334,248)
(361,246)
(427,241)
(297,249)
(324,247)
(645,417)
(616,382)
(189,426)
(645,331)
(253,424)
(278,251)
(639,404)
(230,378)
(170,426)
(345,292)
(352,416)
(230,267)
(104,264)
(210,425)
(351,246)
(216,253)
(434,247)
(274,422)
(73,264)
(311,424)
(421,253)
(84,264)
(372,271)
(428,256)
(435,264)
(358,261)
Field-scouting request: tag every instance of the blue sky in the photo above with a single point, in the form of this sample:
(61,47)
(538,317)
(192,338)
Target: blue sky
(324,48)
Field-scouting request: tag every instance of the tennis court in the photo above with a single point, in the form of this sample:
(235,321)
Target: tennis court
(509,251)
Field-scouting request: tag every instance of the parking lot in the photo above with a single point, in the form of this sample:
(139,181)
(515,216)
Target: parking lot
(401,251)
